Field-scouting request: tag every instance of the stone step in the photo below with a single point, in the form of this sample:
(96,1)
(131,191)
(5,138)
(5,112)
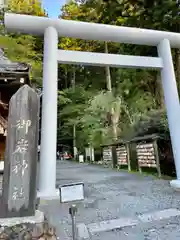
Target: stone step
(85,231)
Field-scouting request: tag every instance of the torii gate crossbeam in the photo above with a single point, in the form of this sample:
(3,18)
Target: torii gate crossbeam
(54,28)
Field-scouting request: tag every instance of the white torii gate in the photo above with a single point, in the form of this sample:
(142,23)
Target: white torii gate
(54,28)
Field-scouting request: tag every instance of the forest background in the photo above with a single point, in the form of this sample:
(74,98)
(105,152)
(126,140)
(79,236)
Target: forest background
(99,105)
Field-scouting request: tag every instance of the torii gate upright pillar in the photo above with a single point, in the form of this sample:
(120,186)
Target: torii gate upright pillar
(48,156)
(171,99)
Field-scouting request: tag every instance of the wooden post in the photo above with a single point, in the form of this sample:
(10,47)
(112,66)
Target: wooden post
(114,156)
(139,167)
(128,156)
(19,182)
(157,157)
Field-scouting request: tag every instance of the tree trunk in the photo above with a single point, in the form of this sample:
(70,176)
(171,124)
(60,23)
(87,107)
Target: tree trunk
(114,122)
(73,79)
(73,84)
(109,88)
(115,133)
(177,67)
(177,54)
(159,90)
(66,78)
(108,72)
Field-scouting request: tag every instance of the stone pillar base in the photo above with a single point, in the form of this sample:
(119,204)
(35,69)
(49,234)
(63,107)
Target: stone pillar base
(53,195)
(175,184)
(37,218)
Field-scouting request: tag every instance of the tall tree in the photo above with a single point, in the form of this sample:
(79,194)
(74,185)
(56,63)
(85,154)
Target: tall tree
(137,92)
(116,107)
(29,7)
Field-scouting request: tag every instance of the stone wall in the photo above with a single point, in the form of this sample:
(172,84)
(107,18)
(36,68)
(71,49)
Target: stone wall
(28,231)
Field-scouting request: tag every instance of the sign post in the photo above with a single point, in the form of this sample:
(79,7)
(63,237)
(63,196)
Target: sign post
(72,212)
(72,193)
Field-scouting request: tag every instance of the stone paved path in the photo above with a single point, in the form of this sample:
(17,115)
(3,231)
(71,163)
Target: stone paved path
(117,195)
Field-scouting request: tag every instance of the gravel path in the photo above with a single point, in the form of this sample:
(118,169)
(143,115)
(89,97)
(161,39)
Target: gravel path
(113,195)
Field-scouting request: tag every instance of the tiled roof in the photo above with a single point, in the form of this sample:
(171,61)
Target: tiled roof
(8,66)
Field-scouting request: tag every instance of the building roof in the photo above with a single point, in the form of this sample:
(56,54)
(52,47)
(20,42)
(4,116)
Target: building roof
(7,66)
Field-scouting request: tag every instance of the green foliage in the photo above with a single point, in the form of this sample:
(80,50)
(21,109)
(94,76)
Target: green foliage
(137,95)
(28,7)
(24,48)
(154,122)
(72,104)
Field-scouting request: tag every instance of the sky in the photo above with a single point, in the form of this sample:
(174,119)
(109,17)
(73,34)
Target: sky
(53,7)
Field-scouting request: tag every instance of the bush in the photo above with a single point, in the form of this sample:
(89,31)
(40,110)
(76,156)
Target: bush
(155,122)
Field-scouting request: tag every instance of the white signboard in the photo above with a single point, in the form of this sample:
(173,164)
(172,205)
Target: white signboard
(71,192)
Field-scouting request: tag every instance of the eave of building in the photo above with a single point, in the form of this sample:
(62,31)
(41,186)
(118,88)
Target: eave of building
(13,72)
